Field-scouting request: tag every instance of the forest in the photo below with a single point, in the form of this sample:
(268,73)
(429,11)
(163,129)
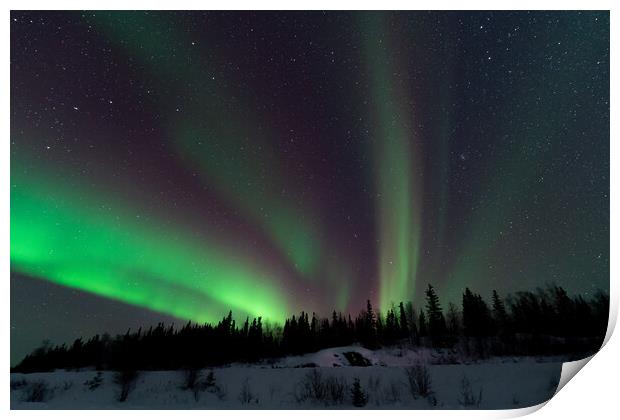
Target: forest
(541,323)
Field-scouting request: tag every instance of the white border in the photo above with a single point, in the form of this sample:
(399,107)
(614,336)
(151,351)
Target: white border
(592,394)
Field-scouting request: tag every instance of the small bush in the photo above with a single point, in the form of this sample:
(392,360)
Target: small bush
(190,378)
(359,397)
(221,392)
(126,379)
(273,389)
(374,386)
(392,393)
(94,383)
(419,381)
(208,384)
(467,396)
(335,390)
(196,382)
(314,387)
(245,395)
(311,387)
(317,389)
(36,392)
(209,381)
(18,384)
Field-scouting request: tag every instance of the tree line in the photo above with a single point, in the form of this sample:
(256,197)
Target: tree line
(546,322)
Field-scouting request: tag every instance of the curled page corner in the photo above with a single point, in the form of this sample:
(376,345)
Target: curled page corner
(520,412)
(569,370)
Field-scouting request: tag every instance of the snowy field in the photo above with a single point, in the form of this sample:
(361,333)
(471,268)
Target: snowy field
(318,380)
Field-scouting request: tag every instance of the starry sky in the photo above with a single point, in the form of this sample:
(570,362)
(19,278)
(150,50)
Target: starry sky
(168,166)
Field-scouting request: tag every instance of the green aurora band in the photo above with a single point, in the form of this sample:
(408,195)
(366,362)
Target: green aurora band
(70,237)
(397,191)
(223,144)
(68,231)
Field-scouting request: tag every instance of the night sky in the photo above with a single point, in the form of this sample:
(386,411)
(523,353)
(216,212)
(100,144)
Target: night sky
(175,165)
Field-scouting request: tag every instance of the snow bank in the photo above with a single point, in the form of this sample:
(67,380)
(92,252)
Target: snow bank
(501,384)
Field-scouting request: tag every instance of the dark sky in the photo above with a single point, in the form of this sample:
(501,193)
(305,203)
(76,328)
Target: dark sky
(175,165)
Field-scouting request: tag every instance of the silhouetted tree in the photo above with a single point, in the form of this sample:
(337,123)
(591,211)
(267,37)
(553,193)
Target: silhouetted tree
(412,322)
(436,321)
(500,316)
(404,324)
(359,397)
(546,322)
(453,320)
(422,326)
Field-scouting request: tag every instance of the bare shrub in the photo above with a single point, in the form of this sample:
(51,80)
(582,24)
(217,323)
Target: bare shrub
(391,393)
(374,385)
(196,382)
(126,379)
(18,384)
(311,387)
(36,392)
(94,383)
(209,384)
(336,390)
(209,381)
(245,395)
(419,380)
(314,387)
(190,378)
(467,396)
(273,389)
(221,392)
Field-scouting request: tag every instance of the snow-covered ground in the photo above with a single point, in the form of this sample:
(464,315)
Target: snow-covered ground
(399,356)
(280,384)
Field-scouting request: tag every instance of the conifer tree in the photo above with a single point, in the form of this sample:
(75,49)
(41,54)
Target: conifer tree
(359,397)
(422,327)
(370,316)
(436,321)
(453,321)
(404,325)
(369,326)
(499,313)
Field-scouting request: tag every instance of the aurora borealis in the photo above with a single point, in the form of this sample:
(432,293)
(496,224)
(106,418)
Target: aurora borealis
(181,164)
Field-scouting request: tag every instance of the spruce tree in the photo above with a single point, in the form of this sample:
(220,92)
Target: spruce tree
(369,326)
(453,322)
(412,321)
(469,313)
(422,327)
(359,397)
(436,321)
(370,316)
(404,325)
(499,313)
